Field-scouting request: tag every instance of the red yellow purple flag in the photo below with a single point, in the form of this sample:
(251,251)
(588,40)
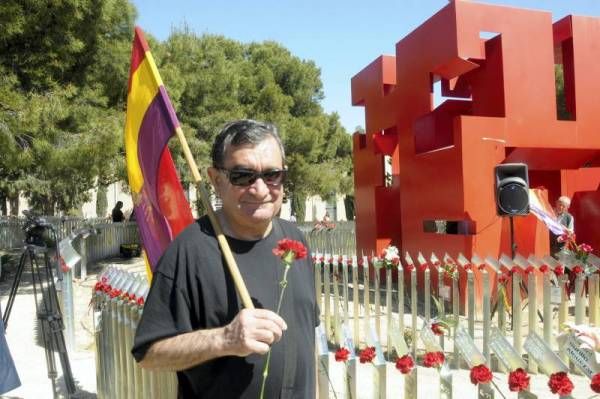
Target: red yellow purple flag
(161,209)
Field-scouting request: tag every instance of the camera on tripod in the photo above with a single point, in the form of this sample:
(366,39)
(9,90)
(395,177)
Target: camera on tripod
(36,230)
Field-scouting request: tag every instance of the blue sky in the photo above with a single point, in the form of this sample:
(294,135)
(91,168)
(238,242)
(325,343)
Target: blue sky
(340,36)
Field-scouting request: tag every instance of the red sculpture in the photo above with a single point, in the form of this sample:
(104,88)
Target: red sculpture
(498,65)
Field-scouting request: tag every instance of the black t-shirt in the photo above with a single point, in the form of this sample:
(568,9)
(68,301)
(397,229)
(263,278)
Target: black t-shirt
(192,289)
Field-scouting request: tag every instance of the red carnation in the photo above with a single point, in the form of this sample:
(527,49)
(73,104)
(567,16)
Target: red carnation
(544,268)
(409,267)
(595,384)
(140,301)
(405,364)
(481,267)
(437,329)
(468,267)
(503,279)
(560,383)
(341,355)
(367,355)
(529,270)
(480,375)
(288,250)
(433,359)
(559,270)
(518,380)
(577,269)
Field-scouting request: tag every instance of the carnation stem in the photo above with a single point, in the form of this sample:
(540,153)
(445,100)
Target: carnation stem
(266,369)
(498,389)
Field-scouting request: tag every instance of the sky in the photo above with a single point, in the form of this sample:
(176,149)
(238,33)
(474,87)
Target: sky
(340,36)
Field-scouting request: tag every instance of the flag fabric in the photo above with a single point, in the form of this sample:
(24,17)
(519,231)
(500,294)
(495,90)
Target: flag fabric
(161,209)
(541,208)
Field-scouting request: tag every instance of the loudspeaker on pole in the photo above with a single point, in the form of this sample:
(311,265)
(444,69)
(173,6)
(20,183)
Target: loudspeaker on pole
(512,189)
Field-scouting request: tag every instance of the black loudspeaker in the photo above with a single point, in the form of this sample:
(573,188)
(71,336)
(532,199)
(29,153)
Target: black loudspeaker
(512,189)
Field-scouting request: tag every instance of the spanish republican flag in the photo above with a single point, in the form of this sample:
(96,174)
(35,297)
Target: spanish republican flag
(161,209)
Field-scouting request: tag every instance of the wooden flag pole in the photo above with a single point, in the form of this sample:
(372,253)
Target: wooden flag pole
(231,265)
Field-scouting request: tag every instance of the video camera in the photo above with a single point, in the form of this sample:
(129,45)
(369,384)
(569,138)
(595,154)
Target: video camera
(36,230)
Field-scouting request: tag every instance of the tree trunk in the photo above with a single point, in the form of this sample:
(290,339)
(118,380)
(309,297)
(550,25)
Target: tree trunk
(101,201)
(299,206)
(14,205)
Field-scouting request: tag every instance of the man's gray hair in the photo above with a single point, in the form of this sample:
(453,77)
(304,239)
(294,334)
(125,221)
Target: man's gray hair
(566,201)
(243,132)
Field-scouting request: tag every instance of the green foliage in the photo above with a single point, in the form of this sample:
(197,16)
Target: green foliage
(212,80)
(63,80)
(63,74)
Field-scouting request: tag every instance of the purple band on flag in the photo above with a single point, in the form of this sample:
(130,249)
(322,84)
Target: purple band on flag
(157,127)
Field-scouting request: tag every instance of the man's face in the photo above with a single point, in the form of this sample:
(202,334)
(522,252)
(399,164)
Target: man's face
(256,204)
(561,207)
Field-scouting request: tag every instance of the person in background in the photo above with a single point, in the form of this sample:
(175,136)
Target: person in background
(564,218)
(9,379)
(117,213)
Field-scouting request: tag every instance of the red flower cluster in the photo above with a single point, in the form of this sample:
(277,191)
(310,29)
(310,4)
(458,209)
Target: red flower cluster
(409,267)
(586,248)
(529,270)
(433,359)
(437,329)
(504,278)
(481,267)
(114,293)
(577,269)
(342,354)
(367,355)
(595,384)
(518,380)
(480,375)
(405,364)
(544,268)
(560,383)
(140,301)
(559,270)
(286,245)
(468,267)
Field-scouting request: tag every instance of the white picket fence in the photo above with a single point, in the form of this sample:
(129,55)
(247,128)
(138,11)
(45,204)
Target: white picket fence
(377,306)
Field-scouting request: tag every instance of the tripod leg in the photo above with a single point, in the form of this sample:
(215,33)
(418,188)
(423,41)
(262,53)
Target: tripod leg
(13,289)
(57,328)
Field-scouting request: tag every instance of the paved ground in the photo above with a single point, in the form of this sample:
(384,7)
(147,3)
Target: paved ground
(27,348)
(28,352)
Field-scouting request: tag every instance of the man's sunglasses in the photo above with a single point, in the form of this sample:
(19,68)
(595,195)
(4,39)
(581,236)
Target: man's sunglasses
(247,177)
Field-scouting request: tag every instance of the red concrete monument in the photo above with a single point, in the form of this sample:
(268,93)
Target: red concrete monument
(498,65)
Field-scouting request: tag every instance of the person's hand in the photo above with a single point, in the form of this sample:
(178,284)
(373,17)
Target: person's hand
(253,331)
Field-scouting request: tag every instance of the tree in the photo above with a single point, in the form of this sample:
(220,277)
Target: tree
(212,80)
(64,68)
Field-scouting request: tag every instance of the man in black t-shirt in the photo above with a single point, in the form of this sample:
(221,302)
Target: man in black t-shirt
(193,321)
